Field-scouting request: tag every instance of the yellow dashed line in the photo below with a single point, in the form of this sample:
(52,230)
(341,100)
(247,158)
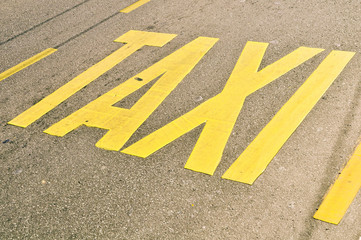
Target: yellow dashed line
(134,6)
(26,63)
(341,195)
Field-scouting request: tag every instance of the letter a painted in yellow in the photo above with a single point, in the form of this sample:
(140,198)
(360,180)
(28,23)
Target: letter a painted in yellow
(122,123)
(220,112)
(134,39)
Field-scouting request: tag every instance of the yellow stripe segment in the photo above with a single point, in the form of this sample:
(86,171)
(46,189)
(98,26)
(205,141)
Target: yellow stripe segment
(254,160)
(26,63)
(134,6)
(220,113)
(341,195)
(135,40)
(122,123)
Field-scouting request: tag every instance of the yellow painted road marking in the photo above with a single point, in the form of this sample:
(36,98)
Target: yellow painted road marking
(134,39)
(26,63)
(122,123)
(220,112)
(254,160)
(341,195)
(134,6)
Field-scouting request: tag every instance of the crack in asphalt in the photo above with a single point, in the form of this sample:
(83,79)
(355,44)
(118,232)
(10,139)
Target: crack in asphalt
(42,23)
(86,30)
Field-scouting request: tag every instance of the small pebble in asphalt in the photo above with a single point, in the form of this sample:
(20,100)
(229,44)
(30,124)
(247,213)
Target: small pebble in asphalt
(198,99)
(17,172)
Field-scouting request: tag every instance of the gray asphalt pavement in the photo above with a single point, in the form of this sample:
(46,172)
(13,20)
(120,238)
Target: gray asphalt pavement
(67,188)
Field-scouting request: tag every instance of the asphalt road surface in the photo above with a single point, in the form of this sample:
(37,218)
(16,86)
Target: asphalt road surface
(67,188)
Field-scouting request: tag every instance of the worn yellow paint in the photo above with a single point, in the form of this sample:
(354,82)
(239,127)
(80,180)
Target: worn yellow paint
(134,6)
(134,39)
(254,160)
(220,112)
(342,193)
(122,123)
(26,63)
